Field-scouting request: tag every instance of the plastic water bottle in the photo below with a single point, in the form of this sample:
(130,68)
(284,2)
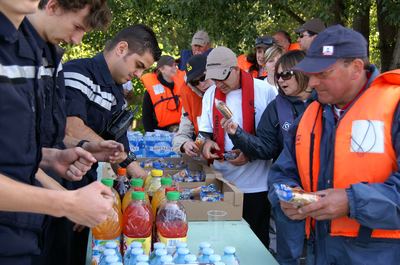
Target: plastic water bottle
(181,254)
(106,253)
(135,252)
(215,258)
(157,258)
(191,259)
(202,246)
(229,257)
(156,246)
(205,257)
(142,258)
(111,259)
(127,256)
(166,260)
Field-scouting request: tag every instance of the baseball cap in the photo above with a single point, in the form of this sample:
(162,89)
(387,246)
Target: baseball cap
(334,43)
(314,25)
(264,41)
(165,60)
(200,38)
(195,67)
(219,62)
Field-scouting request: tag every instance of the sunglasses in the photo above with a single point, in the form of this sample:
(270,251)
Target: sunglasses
(285,75)
(265,41)
(301,35)
(197,81)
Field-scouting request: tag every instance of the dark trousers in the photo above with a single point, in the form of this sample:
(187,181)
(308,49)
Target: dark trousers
(19,260)
(256,212)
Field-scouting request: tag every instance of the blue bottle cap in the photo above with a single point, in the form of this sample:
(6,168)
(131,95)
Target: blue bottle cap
(183,251)
(111,259)
(214,258)
(190,258)
(230,250)
(109,252)
(166,259)
(111,244)
(158,245)
(204,245)
(137,251)
(136,244)
(181,244)
(208,251)
(144,258)
(161,252)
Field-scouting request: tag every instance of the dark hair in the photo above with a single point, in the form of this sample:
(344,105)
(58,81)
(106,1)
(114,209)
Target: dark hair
(367,64)
(285,34)
(140,39)
(287,61)
(99,16)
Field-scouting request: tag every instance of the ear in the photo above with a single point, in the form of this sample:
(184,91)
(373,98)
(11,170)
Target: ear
(357,69)
(52,7)
(121,49)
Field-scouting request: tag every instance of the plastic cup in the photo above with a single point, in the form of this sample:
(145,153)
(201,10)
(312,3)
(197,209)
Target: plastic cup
(216,220)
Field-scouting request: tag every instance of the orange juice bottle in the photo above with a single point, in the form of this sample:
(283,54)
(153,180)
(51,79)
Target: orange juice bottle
(110,229)
(136,185)
(159,195)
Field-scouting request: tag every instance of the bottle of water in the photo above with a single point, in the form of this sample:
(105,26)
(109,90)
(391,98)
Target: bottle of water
(191,259)
(229,257)
(202,246)
(135,252)
(157,258)
(142,258)
(111,259)
(166,260)
(115,246)
(127,256)
(214,258)
(205,257)
(180,256)
(106,253)
(157,245)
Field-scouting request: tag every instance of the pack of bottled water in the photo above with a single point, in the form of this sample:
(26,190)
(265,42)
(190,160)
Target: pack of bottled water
(136,143)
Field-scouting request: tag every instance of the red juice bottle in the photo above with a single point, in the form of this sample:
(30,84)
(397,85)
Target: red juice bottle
(138,222)
(171,222)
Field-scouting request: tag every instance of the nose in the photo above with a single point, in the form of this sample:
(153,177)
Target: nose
(138,73)
(313,81)
(76,38)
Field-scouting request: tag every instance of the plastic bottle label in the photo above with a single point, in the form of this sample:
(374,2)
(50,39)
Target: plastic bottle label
(98,247)
(170,243)
(146,243)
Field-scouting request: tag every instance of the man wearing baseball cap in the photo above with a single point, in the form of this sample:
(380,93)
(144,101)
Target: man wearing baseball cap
(192,95)
(308,32)
(346,149)
(247,98)
(201,44)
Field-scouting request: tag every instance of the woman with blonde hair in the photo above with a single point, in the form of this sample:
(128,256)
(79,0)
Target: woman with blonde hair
(272,55)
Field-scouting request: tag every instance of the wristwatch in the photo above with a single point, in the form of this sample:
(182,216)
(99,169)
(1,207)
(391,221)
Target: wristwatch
(81,143)
(129,159)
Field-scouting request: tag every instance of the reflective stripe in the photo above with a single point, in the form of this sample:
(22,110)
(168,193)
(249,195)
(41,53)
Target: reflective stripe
(91,90)
(17,71)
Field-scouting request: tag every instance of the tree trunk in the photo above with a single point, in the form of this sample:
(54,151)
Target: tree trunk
(387,37)
(361,21)
(338,9)
(396,53)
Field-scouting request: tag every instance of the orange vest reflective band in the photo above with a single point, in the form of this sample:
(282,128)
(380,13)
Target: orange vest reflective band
(294,46)
(354,160)
(167,111)
(192,103)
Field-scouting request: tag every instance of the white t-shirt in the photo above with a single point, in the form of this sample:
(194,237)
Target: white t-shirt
(253,176)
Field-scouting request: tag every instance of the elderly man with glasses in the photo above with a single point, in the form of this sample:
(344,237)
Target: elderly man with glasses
(247,98)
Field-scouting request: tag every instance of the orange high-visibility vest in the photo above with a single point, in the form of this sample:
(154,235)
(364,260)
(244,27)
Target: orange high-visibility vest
(192,103)
(167,106)
(245,66)
(294,46)
(376,106)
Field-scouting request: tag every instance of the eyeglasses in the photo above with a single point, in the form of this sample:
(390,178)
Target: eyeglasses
(301,35)
(225,77)
(285,75)
(265,40)
(197,81)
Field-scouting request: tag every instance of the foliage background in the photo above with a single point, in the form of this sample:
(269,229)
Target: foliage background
(237,23)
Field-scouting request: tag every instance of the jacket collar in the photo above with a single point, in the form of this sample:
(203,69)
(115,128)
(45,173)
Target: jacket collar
(104,71)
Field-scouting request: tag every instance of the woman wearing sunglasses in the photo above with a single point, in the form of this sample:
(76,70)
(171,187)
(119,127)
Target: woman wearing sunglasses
(293,98)
(192,95)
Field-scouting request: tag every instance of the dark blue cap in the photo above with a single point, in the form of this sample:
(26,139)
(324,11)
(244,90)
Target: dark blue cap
(335,42)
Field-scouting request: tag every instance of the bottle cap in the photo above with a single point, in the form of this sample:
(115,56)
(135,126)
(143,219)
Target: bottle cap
(108,182)
(208,251)
(137,195)
(157,172)
(143,258)
(214,258)
(137,182)
(166,181)
(121,171)
(158,245)
(173,195)
(161,252)
(229,250)
(137,251)
(190,258)
(183,251)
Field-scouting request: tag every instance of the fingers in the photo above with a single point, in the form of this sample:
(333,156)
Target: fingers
(87,157)
(73,173)
(191,148)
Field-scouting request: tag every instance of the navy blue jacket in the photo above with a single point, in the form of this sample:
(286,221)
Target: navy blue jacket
(368,203)
(185,56)
(21,99)
(93,96)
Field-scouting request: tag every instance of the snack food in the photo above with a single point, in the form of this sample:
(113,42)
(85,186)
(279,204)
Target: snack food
(295,196)
(223,108)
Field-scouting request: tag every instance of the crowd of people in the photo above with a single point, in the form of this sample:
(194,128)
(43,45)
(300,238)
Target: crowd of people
(314,115)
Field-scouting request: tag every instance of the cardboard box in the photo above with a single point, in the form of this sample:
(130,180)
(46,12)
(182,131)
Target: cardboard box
(196,210)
